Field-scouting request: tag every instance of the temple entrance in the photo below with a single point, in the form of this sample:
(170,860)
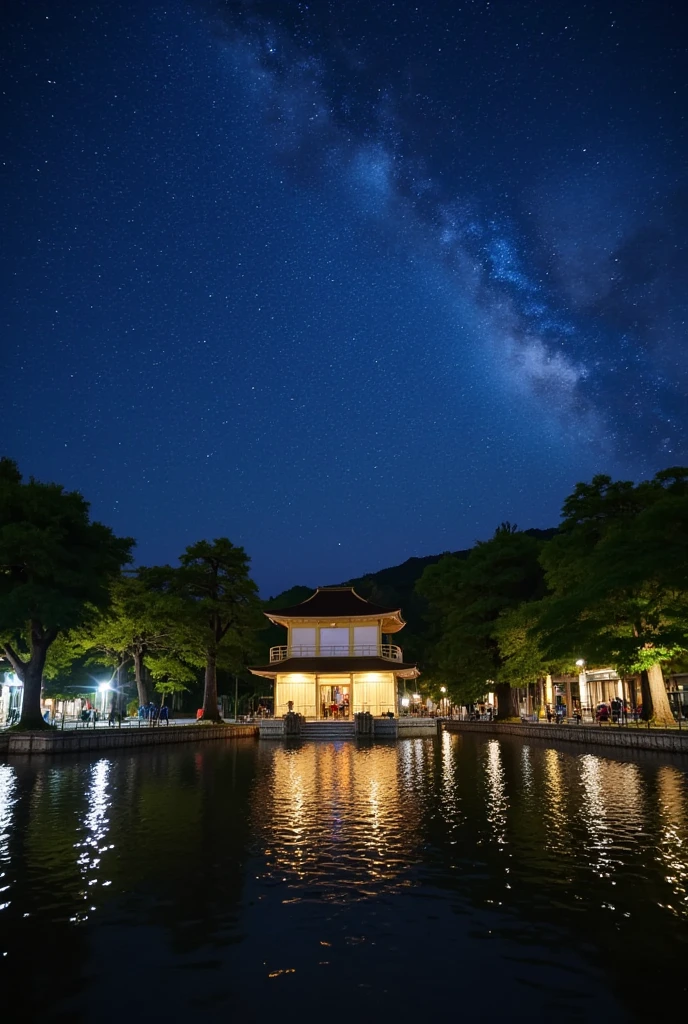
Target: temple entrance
(335,700)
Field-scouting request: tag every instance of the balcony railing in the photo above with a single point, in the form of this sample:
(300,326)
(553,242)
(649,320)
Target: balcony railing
(390,652)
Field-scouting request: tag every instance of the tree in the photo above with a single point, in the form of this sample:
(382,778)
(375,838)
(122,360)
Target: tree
(170,675)
(520,649)
(618,572)
(219,606)
(140,625)
(56,567)
(465,599)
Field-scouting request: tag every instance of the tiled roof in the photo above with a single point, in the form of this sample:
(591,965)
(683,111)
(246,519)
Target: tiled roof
(333,602)
(323,666)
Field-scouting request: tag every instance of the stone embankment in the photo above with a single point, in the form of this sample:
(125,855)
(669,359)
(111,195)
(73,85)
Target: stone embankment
(361,727)
(73,741)
(672,741)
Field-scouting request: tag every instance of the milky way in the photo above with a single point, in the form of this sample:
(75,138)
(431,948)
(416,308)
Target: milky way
(346,282)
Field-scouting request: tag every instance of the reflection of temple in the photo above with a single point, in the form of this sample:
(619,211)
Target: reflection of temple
(343,819)
(334,662)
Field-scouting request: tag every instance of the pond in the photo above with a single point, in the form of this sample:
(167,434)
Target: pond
(495,879)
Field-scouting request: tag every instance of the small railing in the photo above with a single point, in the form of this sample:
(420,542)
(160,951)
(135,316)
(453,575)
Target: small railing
(390,652)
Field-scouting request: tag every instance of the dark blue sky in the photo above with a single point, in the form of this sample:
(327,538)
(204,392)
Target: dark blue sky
(344,282)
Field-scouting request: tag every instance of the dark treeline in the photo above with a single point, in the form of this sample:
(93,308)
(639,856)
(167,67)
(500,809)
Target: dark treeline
(609,585)
(68,597)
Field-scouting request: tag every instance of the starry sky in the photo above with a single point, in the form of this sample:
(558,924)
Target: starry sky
(345,282)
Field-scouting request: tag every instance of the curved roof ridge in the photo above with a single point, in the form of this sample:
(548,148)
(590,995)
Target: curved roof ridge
(338,601)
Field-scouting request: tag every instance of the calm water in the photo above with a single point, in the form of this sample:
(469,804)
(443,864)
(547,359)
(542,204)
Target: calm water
(490,878)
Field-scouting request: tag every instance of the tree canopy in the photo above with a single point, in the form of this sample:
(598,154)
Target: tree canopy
(218,605)
(466,598)
(618,576)
(56,569)
(610,588)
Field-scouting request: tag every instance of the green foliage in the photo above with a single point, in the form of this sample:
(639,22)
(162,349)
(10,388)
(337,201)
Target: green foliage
(140,621)
(217,601)
(171,675)
(520,649)
(619,574)
(56,568)
(55,564)
(466,598)
(218,607)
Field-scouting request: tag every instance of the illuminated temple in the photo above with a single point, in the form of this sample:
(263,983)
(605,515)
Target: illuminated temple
(337,659)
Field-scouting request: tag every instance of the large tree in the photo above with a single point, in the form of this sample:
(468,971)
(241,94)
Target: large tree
(219,606)
(466,598)
(523,660)
(56,569)
(141,626)
(618,575)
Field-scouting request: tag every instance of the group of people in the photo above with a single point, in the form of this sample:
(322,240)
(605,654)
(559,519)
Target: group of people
(559,712)
(478,712)
(617,710)
(338,707)
(614,710)
(152,713)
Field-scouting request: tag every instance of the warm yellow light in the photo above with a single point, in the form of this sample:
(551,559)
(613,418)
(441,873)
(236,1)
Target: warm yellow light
(295,677)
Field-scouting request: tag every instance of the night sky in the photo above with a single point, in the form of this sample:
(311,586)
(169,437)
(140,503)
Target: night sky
(346,282)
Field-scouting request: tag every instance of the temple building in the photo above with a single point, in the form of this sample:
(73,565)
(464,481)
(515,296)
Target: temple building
(335,662)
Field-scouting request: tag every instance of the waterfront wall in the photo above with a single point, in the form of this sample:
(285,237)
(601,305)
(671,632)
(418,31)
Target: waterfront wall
(382,728)
(410,727)
(75,740)
(671,741)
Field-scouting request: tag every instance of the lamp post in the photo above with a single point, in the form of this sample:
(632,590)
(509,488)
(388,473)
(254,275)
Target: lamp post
(443,691)
(583,684)
(103,690)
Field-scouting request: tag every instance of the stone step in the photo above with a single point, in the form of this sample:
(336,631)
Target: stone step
(330,731)
(328,728)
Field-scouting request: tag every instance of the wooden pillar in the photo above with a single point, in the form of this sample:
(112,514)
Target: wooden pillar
(549,690)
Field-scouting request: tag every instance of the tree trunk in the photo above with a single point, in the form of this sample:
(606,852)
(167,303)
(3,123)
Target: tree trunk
(503,694)
(645,697)
(661,709)
(140,673)
(507,697)
(210,712)
(32,678)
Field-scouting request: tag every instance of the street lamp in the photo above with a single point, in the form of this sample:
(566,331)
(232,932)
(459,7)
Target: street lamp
(582,684)
(103,689)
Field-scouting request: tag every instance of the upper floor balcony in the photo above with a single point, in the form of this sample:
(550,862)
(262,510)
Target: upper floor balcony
(390,652)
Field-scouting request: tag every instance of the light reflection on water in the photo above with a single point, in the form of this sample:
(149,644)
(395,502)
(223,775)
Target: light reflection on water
(554,803)
(337,818)
(95,829)
(672,850)
(7,798)
(262,863)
